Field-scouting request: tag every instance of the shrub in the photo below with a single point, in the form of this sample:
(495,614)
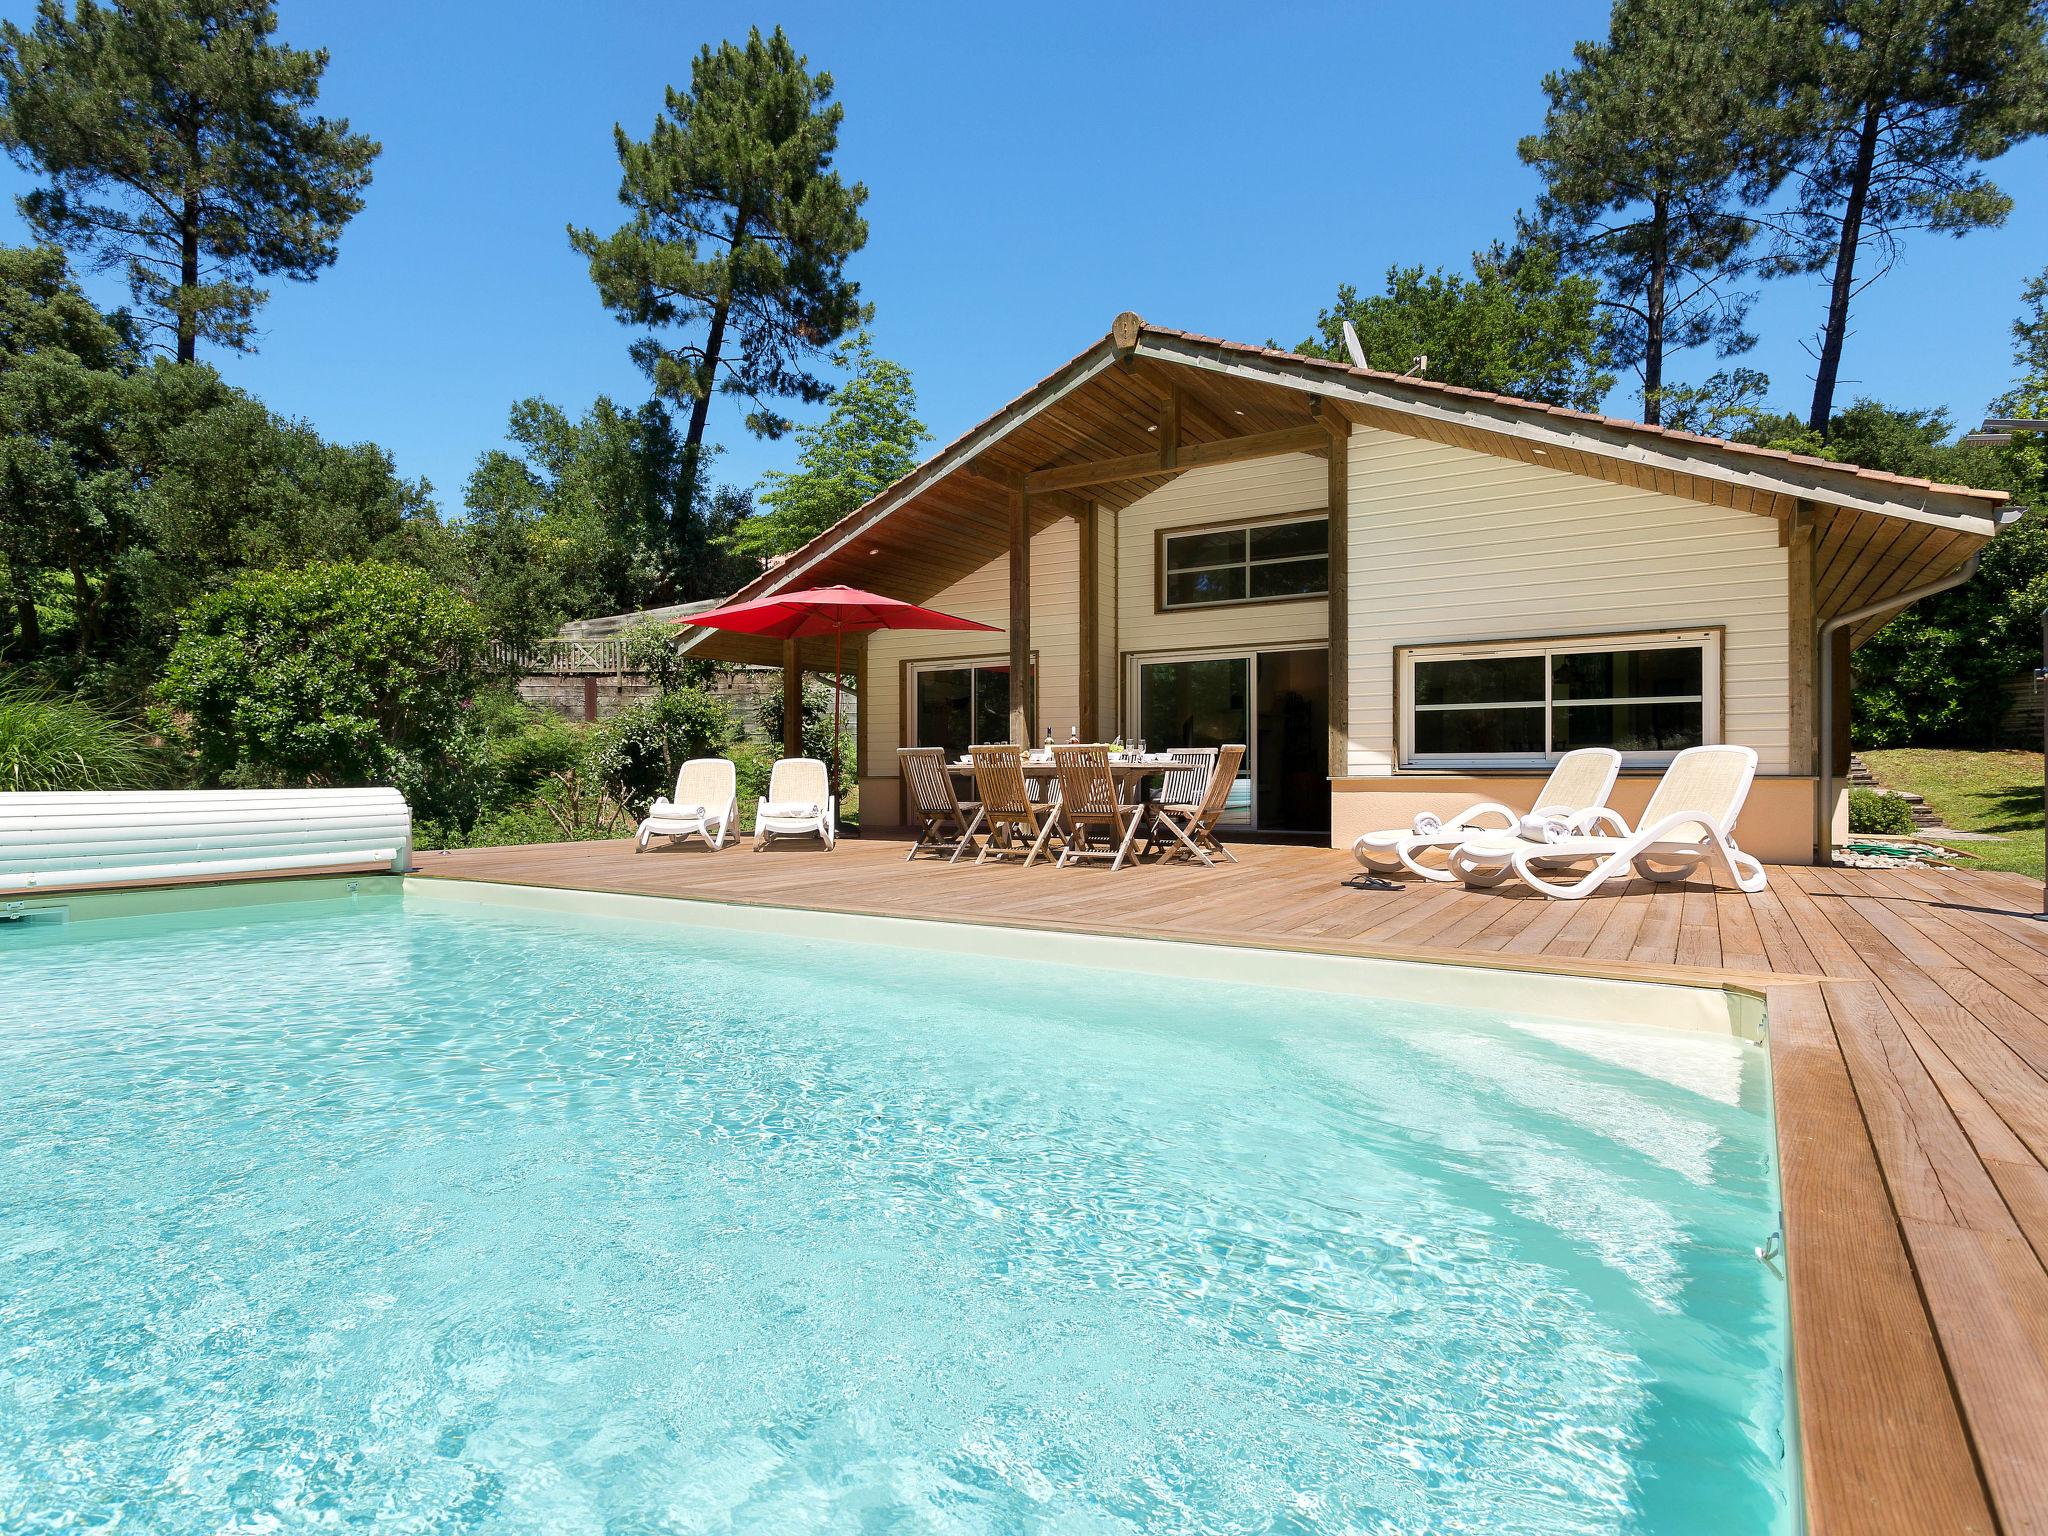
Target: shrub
(817,728)
(333,674)
(48,741)
(639,750)
(1873,811)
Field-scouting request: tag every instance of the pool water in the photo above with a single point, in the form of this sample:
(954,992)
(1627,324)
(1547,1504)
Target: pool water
(458,1219)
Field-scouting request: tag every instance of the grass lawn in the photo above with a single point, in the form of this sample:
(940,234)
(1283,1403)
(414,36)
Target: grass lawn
(1975,792)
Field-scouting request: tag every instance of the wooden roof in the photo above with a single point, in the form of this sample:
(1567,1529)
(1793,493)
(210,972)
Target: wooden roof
(1091,429)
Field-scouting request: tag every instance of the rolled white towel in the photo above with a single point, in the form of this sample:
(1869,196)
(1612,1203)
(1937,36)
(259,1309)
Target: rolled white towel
(1544,829)
(791,810)
(1426,824)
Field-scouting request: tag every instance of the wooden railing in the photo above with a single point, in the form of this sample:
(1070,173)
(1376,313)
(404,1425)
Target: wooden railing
(562,656)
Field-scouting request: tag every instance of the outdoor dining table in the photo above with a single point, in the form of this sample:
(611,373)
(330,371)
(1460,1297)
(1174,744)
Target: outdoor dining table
(1127,768)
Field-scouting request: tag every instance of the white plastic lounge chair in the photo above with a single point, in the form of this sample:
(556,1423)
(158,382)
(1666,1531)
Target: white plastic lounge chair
(705,804)
(1689,821)
(1574,798)
(798,804)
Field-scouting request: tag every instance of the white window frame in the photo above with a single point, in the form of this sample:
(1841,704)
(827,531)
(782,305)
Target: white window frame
(1167,570)
(1707,641)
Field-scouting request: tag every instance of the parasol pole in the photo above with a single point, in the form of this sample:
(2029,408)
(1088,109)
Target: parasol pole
(838,640)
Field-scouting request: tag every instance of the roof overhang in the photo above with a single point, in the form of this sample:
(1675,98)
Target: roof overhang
(1145,404)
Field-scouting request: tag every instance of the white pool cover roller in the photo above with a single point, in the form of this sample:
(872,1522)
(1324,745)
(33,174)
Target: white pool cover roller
(53,840)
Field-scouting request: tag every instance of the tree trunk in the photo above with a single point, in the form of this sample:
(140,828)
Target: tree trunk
(1837,330)
(28,622)
(188,281)
(1653,311)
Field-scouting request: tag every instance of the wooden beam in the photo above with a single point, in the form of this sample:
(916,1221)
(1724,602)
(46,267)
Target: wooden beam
(792,701)
(1021,723)
(1340,602)
(1123,331)
(1090,658)
(1139,466)
(1169,430)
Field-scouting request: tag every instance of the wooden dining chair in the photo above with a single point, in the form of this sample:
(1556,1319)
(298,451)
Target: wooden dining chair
(1193,825)
(1090,805)
(1018,826)
(946,824)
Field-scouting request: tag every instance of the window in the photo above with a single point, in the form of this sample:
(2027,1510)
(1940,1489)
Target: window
(1529,703)
(1258,563)
(958,704)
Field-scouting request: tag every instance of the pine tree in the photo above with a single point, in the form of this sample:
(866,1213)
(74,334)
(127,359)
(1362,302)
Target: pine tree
(1904,102)
(740,226)
(1518,326)
(180,143)
(1651,146)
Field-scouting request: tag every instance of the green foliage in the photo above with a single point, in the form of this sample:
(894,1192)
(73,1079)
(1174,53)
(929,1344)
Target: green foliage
(48,741)
(817,729)
(131,489)
(1652,145)
(639,750)
(1938,672)
(1873,811)
(180,143)
(1517,326)
(1727,404)
(591,516)
(333,674)
(867,441)
(1896,106)
(736,223)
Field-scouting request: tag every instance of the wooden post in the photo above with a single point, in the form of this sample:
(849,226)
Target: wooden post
(589,696)
(1091,646)
(792,702)
(1340,596)
(1022,726)
(1839,747)
(1802,641)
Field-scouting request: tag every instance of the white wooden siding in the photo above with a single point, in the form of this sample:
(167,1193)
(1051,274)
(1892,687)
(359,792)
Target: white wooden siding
(1261,488)
(1448,545)
(985,595)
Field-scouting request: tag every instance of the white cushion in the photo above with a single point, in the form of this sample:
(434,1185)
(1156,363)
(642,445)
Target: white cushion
(791,810)
(663,811)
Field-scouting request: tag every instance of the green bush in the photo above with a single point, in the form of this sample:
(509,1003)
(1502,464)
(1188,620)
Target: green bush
(48,741)
(817,729)
(1872,811)
(638,751)
(334,674)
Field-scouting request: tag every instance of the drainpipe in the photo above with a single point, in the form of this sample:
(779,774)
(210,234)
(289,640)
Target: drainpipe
(1824,841)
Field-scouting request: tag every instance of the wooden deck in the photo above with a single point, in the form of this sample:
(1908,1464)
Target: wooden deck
(1908,1024)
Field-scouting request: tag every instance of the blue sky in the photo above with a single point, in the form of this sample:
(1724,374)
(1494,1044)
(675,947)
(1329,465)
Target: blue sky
(1032,171)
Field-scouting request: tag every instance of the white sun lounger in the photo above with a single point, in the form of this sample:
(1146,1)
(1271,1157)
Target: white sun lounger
(1574,797)
(705,804)
(798,804)
(1689,821)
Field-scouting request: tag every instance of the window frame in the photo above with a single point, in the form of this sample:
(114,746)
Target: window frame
(1708,641)
(1164,536)
(908,734)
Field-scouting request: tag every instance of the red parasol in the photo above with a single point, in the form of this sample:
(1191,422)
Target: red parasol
(834,611)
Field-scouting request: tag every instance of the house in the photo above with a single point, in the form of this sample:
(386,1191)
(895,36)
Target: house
(1398,594)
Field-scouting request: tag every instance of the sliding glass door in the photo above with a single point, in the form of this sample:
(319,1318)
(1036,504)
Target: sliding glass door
(1275,702)
(958,704)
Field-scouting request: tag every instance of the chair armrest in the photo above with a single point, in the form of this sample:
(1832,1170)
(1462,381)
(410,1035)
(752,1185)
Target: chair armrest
(1472,813)
(1600,816)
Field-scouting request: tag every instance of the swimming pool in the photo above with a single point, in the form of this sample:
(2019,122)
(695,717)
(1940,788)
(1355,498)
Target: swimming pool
(442,1216)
